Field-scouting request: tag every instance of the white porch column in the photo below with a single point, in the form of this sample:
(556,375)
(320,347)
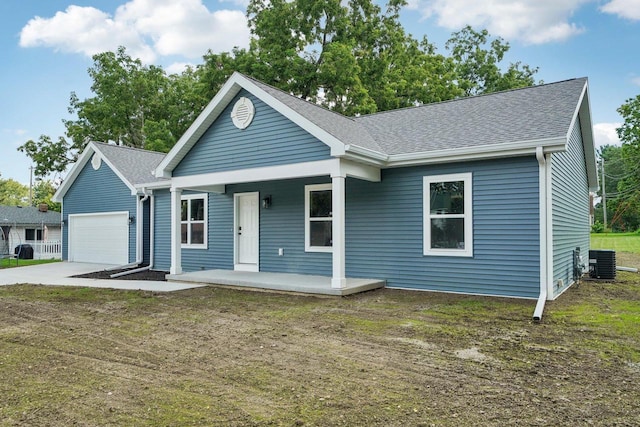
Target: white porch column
(338,230)
(176,238)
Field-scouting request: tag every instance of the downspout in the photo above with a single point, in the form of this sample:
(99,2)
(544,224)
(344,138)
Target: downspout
(542,200)
(139,240)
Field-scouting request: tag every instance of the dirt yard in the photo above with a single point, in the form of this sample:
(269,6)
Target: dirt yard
(216,356)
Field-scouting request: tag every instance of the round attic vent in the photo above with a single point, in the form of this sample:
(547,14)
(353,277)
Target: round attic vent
(242,113)
(96,161)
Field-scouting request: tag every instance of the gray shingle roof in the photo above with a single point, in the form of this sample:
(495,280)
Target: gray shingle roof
(346,129)
(134,164)
(532,113)
(27,215)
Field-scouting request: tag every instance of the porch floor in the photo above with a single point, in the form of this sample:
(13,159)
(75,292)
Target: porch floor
(284,282)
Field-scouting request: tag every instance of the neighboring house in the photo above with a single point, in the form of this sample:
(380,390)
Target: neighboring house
(35,226)
(482,195)
(106,219)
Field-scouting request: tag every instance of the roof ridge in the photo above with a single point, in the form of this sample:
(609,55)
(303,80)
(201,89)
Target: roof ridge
(462,98)
(142,150)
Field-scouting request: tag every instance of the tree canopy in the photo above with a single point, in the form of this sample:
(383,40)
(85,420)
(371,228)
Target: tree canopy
(12,193)
(352,57)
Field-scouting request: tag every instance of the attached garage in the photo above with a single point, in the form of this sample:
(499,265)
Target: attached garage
(99,238)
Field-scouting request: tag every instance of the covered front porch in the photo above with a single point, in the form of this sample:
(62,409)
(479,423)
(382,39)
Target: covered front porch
(282,282)
(260,231)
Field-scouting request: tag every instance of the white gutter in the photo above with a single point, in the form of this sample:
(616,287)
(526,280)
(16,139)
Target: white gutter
(542,200)
(139,240)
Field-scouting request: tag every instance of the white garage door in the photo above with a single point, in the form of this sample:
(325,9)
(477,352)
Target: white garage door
(101,238)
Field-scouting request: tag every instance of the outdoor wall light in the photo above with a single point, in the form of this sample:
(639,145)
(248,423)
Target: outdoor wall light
(266,202)
(132,219)
(64,222)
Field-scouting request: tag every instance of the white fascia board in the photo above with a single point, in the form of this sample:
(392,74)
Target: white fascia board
(269,173)
(368,155)
(200,125)
(583,111)
(159,185)
(483,152)
(337,147)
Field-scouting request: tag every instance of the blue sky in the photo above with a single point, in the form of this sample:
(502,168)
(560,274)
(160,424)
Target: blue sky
(46,48)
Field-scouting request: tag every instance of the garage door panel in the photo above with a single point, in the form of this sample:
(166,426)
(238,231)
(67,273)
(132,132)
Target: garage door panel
(99,238)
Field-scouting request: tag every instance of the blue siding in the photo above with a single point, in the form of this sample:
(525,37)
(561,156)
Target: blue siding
(162,230)
(385,230)
(146,229)
(281,226)
(570,201)
(98,191)
(271,139)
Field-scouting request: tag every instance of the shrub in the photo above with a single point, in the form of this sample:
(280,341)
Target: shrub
(597,227)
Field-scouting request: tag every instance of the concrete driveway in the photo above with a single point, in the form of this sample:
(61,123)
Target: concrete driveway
(58,273)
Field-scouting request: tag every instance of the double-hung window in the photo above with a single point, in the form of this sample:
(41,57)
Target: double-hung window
(318,218)
(448,222)
(193,221)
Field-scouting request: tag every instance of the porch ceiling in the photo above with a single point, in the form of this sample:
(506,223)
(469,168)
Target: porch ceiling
(283,282)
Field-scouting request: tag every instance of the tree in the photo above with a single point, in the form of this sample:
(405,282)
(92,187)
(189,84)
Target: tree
(627,203)
(350,56)
(43,191)
(130,100)
(477,60)
(12,193)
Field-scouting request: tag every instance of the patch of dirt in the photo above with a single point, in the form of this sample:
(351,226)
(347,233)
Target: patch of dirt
(142,275)
(219,356)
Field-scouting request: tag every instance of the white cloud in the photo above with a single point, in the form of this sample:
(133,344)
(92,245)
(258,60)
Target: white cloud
(531,21)
(636,80)
(628,9)
(178,67)
(147,28)
(605,134)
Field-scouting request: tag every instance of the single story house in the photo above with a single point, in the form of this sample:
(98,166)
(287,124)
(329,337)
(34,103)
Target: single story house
(35,226)
(482,195)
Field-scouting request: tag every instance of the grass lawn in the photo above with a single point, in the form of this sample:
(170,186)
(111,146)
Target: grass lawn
(619,242)
(7,263)
(218,356)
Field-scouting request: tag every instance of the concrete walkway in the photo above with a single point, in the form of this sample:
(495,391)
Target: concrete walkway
(58,273)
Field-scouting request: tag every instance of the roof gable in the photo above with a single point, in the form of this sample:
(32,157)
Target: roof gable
(131,165)
(335,130)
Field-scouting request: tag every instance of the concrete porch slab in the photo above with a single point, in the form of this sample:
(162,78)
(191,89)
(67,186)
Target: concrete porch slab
(300,283)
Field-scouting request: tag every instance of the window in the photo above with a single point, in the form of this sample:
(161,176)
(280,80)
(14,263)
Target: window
(318,221)
(193,221)
(33,234)
(447,215)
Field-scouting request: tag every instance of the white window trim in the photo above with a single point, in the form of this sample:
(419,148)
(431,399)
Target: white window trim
(307,219)
(190,197)
(468,215)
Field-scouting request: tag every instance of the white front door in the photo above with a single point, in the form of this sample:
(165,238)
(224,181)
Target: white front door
(247,229)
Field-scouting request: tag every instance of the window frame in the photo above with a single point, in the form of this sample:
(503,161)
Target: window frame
(189,221)
(36,232)
(467,179)
(308,189)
